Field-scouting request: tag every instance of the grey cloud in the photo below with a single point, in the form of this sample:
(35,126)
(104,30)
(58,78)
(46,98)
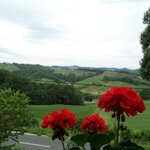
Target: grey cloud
(9,52)
(6,51)
(31,17)
(15,13)
(41,31)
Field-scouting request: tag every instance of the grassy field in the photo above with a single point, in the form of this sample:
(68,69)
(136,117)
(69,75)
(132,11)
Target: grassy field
(139,122)
(105,85)
(40,110)
(98,78)
(79,111)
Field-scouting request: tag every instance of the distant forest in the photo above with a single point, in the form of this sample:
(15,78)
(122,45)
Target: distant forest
(41,93)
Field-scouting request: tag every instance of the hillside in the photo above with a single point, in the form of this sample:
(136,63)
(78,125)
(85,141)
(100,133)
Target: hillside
(9,67)
(87,79)
(102,82)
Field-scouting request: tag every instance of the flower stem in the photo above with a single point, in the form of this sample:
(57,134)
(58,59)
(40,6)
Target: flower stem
(93,148)
(83,148)
(62,142)
(118,129)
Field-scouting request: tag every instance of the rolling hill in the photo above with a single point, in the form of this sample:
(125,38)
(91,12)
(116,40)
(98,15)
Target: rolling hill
(87,79)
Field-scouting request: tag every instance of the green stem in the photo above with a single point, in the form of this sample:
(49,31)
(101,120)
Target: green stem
(83,147)
(118,129)
(62,142)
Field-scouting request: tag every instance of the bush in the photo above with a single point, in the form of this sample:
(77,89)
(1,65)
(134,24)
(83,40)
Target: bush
(89,97)
(14,114)
(141,136)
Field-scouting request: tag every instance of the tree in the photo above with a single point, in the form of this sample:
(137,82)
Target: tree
(5,78)
(14,114)
(145,42)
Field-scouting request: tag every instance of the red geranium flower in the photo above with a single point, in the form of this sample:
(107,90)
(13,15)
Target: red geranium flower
(93,124)
(45,122)
(59,120)
(121,100)
(68,118)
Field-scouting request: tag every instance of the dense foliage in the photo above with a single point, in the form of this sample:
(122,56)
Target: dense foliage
(145,42)
(41,93)
(145,94)
(14,113)
(41,72)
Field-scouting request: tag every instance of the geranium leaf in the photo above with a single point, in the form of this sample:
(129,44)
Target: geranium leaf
(97,140)
(79,139)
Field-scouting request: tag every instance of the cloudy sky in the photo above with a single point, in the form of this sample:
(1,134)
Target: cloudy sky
(97,33)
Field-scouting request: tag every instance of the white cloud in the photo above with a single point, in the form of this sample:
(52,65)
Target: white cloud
(82,32)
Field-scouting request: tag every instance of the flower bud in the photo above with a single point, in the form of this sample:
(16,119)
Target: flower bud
(113,115)
(123,118)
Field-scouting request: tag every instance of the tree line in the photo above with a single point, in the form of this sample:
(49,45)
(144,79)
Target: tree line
(42,93)
(130,80)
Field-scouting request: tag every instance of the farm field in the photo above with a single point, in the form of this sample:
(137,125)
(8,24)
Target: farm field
(80,111)
(135,123)
(139,122)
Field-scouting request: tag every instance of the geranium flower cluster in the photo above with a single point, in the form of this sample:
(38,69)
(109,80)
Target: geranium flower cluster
(58,121)
(94,124)
(61,119)
(121,100)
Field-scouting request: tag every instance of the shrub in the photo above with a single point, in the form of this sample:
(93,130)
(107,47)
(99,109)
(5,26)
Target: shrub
(14,114)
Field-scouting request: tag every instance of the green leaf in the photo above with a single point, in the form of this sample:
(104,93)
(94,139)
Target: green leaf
(97,140)
(80,139)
